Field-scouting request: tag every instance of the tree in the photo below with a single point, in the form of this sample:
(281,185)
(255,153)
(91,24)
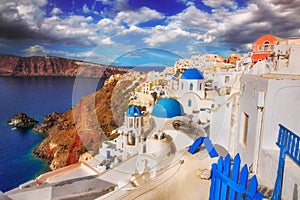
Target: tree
(154,95)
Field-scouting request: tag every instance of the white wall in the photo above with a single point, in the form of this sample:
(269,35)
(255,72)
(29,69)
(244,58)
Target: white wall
(196,105)
(220,78)
(251,88)
(282,107)
(195,102)
(186,87)
(261,67)
(286,65)
(220,123)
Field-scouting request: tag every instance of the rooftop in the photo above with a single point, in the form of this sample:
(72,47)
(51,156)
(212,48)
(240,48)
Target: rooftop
(133,111)
(193,74)
(167,108)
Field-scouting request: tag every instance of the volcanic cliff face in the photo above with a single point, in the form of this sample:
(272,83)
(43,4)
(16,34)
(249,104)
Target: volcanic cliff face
(11,65)
(88,123)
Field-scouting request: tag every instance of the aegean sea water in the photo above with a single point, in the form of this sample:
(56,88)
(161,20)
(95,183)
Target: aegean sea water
(37,97)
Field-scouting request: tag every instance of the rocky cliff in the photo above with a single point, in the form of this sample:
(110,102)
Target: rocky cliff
(88,123)
(11,65)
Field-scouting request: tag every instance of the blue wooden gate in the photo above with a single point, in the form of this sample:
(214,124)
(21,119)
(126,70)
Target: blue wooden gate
(288,142)
(231,183)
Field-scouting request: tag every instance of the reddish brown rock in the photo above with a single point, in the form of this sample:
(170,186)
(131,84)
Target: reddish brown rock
(11,65)
(87,124)
(79,129)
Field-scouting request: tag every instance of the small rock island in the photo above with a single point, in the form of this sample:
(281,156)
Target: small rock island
(21,120)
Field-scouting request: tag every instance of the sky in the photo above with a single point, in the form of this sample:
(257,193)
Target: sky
(108,31)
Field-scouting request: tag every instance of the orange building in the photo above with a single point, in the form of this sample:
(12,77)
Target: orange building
(232,58)
(263,47)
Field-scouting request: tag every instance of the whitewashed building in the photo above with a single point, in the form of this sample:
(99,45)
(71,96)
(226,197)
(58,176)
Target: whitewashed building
(267,101)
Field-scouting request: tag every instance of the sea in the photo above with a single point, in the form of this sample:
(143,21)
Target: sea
(37,97)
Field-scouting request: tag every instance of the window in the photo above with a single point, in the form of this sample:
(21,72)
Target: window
(182,86)
(200,86)
(227,79)
(130,123)
(245,128)
(259,48)
(266,46)
(191,86)
(189,103)
(272,47)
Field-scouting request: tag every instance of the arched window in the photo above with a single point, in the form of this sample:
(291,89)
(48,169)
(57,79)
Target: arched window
(191,86)
(200,86)
(266,45)
(189,103)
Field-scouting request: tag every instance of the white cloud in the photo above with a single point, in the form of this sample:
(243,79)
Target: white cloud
(144,14)
(38,3)
(169,33)
(220,3)
(188,26)
(56,11)
(112,2)
(86,9)
(109,26)
(73,30)
(36,50)
(30,14)
(193,18)
(134,30)
(107,41)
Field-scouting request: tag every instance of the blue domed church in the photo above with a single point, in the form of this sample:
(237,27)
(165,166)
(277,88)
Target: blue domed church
(191,81)
(190,90)
(165,109)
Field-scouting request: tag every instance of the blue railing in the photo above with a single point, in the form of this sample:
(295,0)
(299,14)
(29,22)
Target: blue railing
(288,142)
(225,185)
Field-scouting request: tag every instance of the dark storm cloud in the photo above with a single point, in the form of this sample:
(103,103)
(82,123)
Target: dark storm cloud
(28,21)
(278,18)
(15,25)
(19,30)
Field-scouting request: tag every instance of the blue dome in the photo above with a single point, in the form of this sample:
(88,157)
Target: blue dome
(133,111)
(192,74)
(167,108)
